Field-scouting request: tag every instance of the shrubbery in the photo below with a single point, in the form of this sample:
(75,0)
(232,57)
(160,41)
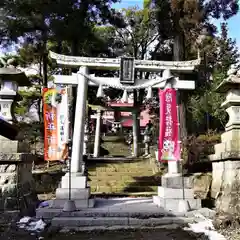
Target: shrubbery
(197,148)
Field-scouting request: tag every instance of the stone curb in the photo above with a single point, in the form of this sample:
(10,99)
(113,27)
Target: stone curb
(76,222)
(114,228)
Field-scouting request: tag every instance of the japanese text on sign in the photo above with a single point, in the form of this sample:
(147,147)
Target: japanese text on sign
(168,149)
(55,123)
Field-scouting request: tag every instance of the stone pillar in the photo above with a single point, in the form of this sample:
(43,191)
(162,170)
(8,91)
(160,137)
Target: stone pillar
(176,193)
(79,190)
(135,134)
(79,123)
(226,160)
(97,134)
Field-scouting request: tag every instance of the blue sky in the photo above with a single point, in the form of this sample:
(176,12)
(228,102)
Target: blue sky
(128,3)
(233,23)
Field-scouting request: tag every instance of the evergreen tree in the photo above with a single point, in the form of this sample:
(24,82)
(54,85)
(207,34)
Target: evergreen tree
(208,100)
(38,21)
(183,21)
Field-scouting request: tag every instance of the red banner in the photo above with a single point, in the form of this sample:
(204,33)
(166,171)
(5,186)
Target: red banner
(55,112)
(168,145)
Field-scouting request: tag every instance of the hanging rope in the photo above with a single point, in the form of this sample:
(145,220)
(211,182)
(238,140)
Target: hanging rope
(146,84)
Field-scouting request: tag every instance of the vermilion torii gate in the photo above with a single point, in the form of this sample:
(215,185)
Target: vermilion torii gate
(169,71)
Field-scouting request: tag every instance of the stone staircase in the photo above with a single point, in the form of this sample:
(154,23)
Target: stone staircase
(115,176)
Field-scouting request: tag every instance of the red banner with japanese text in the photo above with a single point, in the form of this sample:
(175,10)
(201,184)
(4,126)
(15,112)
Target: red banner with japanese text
(168,144)
(56,123)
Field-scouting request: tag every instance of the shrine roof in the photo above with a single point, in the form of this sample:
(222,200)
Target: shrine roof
(14,74)
(231,82)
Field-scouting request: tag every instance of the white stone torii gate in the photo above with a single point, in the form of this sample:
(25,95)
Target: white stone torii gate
(82,79)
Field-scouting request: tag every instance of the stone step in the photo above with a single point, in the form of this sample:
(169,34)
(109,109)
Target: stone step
(171,204)
(142,182)
(122,172)
(50,213)
(115,177)
(127,188)
(175,193)
(76,222)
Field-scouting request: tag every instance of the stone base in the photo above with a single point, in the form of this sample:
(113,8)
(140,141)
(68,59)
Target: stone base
(77,181)
(171,204)
(80,193)
(173,191)
(76,193)
(176,182)
(80,203)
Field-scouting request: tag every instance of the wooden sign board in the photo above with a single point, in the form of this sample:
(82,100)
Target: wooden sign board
(127,70)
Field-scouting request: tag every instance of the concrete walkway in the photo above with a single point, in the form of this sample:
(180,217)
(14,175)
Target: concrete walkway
(112,207)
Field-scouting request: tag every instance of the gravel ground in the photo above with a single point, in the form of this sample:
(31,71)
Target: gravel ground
(153,234)
(230,233)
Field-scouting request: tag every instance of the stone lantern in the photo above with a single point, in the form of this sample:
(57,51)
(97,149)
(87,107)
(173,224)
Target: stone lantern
(226,160)
(10,79)
(16,181)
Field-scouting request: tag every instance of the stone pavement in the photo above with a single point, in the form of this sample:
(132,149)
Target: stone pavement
(146,234)
(118,213)
(142,234)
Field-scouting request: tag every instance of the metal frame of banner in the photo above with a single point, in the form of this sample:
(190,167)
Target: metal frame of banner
(69,205)
(180,140)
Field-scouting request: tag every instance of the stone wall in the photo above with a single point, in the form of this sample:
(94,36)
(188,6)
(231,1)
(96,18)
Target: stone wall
(16,183)
(17,187)
(226,186)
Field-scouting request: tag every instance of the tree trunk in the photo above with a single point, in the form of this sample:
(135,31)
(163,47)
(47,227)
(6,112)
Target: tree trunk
(135,133)
(39,101)
(136,125)
(179,55)
(178,47)
(45,70)
(45,59)
(40,110)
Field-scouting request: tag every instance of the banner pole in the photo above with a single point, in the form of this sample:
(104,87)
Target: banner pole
(69,205)
(70,170)
(179,140)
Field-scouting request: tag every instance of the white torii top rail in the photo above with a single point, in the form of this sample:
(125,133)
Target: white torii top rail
(114,63)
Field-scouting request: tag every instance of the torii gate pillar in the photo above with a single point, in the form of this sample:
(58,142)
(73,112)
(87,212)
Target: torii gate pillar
(79,190)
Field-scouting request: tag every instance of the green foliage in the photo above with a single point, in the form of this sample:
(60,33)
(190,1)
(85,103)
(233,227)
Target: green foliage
(29,98)
(31,133)
(139,32)
(197,148)
(207,100)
